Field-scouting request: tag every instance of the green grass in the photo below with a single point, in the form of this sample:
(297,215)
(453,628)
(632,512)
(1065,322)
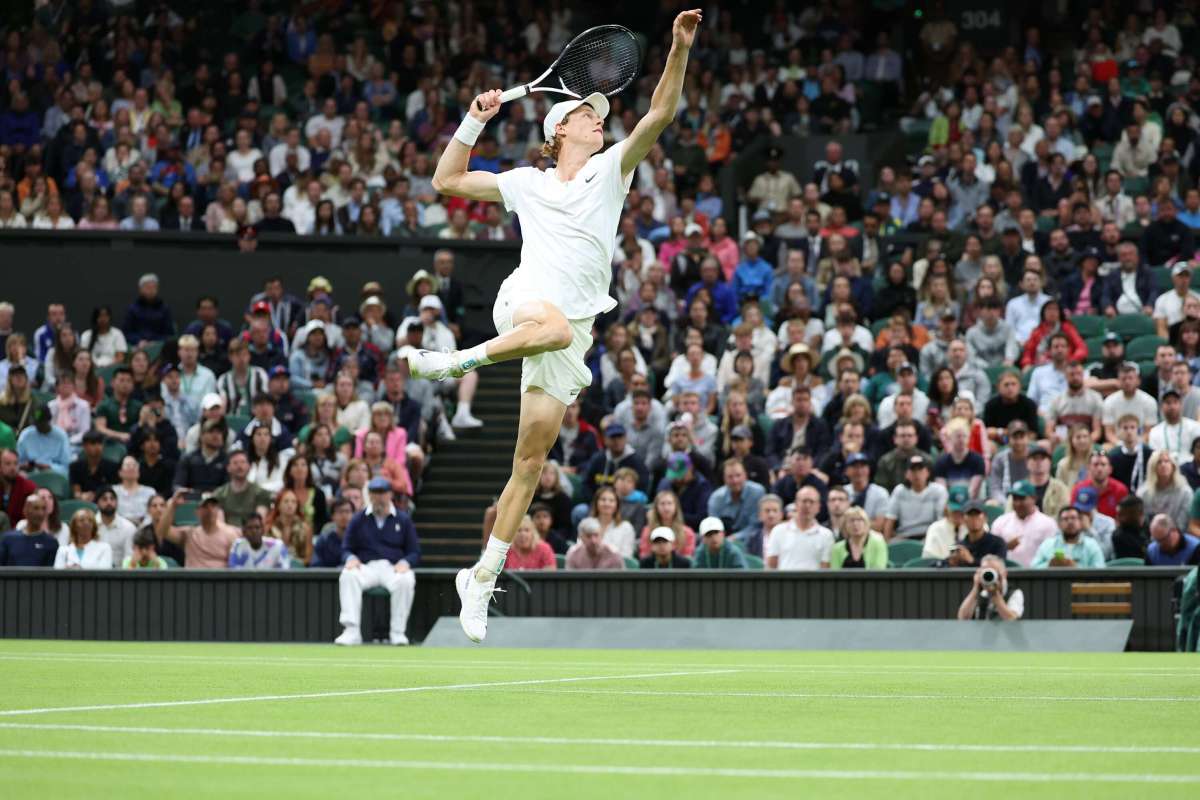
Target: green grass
(590,724)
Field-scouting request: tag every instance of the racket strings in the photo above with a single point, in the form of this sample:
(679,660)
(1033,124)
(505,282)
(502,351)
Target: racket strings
(605,63)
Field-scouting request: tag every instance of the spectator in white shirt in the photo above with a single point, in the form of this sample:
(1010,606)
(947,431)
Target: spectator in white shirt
(277,159)
(1176,432)
(69,411)
(240,161)
(83,549)
(801,542)
(1168,308)
(327,120)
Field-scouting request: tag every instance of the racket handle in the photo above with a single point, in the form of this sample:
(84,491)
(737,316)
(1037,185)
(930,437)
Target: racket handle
(508,94)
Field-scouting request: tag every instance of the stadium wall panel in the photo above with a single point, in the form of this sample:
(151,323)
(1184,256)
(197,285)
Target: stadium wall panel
(302,605)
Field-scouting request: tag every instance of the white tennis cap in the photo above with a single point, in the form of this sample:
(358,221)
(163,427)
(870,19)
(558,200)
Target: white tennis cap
(662,533)
(559,111)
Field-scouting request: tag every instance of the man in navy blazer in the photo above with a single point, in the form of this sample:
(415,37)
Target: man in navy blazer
(380,549)
(1120,298)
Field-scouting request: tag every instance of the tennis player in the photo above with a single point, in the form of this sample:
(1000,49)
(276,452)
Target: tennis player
(545,308)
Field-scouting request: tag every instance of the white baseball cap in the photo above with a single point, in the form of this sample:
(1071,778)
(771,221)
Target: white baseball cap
(559,111)
(430,301)
(211,400)
(662,532)
(711,524)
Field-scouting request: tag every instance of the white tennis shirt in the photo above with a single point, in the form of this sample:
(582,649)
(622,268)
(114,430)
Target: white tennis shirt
(568,232)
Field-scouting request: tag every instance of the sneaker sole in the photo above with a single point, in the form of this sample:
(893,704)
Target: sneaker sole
(460,580)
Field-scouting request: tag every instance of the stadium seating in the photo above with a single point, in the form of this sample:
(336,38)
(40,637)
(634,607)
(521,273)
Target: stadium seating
(56,483)
(901,551)
(1142,348)
(1131,326)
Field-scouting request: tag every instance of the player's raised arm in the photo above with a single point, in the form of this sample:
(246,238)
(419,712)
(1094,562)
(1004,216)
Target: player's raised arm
(451,175)
(665,101)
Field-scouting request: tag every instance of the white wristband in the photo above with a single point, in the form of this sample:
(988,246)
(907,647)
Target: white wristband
(469,130)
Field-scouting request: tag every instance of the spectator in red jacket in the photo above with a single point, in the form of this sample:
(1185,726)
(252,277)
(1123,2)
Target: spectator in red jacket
(1037,349)
(14,487)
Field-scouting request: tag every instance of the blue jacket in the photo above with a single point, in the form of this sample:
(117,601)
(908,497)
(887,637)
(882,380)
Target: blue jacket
(396,540)
(327,550)
(151,322)
(738,516)
(52,448)
(753,278)
(1072,287)
(18,549)
(724,300)
(20,128)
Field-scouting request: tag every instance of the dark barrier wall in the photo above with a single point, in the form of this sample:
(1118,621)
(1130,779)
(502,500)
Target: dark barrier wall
(302,606)
(84,269)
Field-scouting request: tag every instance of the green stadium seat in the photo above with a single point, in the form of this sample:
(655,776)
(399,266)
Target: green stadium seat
(631,563)
(170,562)
(576,482)
(1143,348)
(560,561)
(309,399)
(67,508)
(901,551)
(58,484)
(1126,562)
(237,422)
(377,591)
(1095,346)
(764,423)
(1162,278)
(105,373)
(1088,325)
(295,563)
(1136,185)
(42,397)
(1131,326)
(879,325)
(1008,562)
(1059,453)
(113,451)
(1146,366)
(917,563)
(185,514)
(993,512)
(752,561)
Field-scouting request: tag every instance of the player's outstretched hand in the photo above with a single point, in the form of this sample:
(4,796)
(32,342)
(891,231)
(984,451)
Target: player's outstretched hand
(486,105)
(683,32)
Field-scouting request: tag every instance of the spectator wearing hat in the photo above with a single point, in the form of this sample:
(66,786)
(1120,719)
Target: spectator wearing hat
(44,445)
(380,549)
(601,469)
(311,358)
(253,550)
(1100,527)
(715,551)
(203,469)
(915,504)
(1104,375)
(753,276)
(1170,546)
(1010,464)
(1168,308)
(1025,527)
(148,318)
(736,501)
(211,408)
(870,497)
(691,488)
(1175,433)
(207,545)
(800,543)
(91,471)
(771,190)
(179,409)
(977,543)
(1051,494)
(590,551)
(1069,547)
(373,311)
(943,535)
(662,551)
(243,382)
(291,412)
(741,443)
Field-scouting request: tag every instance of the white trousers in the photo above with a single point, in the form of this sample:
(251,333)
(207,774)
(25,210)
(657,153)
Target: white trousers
(401,585)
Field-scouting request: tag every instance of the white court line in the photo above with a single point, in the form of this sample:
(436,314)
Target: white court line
(348,693)
(602,769)
(783,669)
(974,698)
(589,741)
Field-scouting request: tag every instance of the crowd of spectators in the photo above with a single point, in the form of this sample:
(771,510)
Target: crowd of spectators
(989,347)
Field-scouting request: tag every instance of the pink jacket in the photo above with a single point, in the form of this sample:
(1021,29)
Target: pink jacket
(394,449)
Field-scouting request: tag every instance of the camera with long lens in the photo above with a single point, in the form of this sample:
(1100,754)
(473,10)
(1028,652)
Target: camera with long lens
(989,578)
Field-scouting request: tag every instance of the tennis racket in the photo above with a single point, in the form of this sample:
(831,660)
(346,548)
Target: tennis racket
(603,59)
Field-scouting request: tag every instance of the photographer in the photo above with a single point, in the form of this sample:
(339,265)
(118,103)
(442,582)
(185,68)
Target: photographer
(990,597)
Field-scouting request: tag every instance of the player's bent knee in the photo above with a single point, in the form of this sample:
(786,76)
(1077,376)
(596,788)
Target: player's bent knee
(528,467)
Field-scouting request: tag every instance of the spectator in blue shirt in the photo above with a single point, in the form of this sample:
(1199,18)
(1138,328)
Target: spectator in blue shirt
(380,549)
(753,276)
(33,547)
(692,489)
(43,445)
(148,318)
(19,125)
(736,503)
(1169,546)
(724,300)
(327,550)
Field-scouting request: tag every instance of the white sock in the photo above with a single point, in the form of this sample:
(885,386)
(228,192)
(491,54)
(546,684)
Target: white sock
(464,408)
(493,558)
(473,357)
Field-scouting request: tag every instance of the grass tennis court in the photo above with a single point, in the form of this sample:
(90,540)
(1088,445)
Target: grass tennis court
(82,719)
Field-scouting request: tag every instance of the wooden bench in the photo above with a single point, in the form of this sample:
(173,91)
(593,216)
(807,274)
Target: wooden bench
(1100,600)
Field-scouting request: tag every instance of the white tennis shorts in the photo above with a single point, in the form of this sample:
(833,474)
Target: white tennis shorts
(562,374)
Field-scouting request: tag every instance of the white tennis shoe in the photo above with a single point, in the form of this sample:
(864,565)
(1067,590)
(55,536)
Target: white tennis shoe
(463,419)
(433,365)
(475,597)
(349,638)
